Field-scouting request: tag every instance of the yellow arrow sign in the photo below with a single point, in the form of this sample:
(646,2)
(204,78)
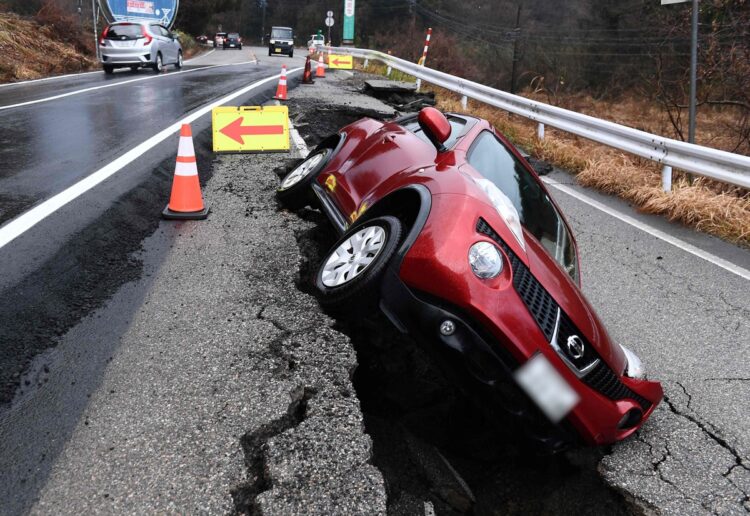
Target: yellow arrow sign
(338,61)
(250,128)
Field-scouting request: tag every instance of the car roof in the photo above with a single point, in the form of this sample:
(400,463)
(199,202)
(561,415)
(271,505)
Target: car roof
(280,27)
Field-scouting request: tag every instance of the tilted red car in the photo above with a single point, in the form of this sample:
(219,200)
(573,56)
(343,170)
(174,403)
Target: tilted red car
(448,228)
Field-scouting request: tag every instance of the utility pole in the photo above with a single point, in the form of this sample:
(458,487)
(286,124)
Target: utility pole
(693,64)
(693,72)
(263,4)
(96,31)
(516,36)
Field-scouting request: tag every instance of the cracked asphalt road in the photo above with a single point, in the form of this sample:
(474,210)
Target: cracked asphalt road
(690,323)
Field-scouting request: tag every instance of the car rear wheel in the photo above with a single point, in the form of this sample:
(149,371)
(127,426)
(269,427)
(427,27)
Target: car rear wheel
(294,190)
(159,65)
(108,69)
(349,277)
(179,62)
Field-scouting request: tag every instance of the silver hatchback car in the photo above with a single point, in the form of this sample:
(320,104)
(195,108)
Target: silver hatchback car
(139,45)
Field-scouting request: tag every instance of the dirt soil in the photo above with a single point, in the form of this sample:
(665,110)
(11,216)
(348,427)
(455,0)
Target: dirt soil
(29,50)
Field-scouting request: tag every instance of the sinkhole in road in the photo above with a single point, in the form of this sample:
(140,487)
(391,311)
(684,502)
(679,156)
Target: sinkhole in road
(435,450)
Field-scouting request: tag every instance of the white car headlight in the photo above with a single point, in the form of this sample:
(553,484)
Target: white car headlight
(504,207)
(635,367)
(485,260)
(272,41)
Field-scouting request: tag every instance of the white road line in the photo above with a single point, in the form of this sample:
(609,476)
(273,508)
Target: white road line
(119,83)
(29,219)
(201,55)
(49,78)
(689,248)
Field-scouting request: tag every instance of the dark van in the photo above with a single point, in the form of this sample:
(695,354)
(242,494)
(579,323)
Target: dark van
(281,41)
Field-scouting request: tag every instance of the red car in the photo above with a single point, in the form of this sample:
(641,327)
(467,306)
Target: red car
(448,229)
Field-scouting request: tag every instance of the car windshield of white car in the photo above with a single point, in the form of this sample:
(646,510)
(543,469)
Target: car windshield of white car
(281,34)
(491,158)
(124,32)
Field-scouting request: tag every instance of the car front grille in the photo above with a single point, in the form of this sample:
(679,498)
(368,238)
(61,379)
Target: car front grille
(544,309)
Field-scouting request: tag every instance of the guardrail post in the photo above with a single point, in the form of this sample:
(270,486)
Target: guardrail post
(464,102)
(540,131)
(666,178)
(388,71)
(367,61)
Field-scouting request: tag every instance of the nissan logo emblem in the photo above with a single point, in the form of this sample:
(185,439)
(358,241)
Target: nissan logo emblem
(575,346)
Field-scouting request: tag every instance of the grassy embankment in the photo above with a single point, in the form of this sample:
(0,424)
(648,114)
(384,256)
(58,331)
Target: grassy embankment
(705,205)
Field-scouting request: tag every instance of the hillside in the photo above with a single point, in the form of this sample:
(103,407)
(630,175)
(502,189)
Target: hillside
(30,50)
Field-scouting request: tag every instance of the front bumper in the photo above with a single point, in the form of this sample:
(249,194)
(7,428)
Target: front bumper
(496,333)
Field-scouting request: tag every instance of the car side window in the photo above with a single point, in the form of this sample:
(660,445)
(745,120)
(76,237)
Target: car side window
(492,159)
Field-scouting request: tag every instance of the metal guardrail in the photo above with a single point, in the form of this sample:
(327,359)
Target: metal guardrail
(716,164)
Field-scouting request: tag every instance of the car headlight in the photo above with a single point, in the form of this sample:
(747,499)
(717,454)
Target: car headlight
(485,260)
(272,41)
(635,368)
(504,207)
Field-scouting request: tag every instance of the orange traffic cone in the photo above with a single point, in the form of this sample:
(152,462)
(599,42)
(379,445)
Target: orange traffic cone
(186,201)
(320,71)
(281,88)
(307,78)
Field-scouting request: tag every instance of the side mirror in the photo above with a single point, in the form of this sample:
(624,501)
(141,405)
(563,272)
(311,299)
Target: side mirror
(435,126)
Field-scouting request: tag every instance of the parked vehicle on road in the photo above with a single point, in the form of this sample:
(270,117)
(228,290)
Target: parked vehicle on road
(139,44)
(219,39)
(202,39)
(281,41)
(447,229)
(233,40)
(316,41)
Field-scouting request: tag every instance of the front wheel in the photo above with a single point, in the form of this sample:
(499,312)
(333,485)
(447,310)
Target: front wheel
(294,191)
(349,277)
(179,62)
(291,54)
(109,69)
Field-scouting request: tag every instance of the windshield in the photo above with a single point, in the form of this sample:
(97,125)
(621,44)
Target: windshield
(234,35)
(491,158)
(281,33)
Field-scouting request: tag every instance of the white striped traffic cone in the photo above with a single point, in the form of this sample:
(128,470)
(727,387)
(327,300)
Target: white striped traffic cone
(281,88)
(186,201)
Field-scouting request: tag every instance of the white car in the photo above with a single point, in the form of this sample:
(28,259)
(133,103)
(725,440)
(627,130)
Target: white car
(139,45)
(316,41)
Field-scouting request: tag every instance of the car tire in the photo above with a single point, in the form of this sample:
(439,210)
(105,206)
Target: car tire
(109,69)
(294,191)
(348,280)
(159,64)
(270,53)
(291,54)
(179,62)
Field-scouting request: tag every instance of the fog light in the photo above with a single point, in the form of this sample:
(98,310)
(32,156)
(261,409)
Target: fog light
(447,328)
(631,418)
(485,260)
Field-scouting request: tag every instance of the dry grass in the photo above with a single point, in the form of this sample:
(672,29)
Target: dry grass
(32,51)
(705,205)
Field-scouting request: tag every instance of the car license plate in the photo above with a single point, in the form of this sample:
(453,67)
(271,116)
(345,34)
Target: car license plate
(278,50)
(231,44)
(549,390)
